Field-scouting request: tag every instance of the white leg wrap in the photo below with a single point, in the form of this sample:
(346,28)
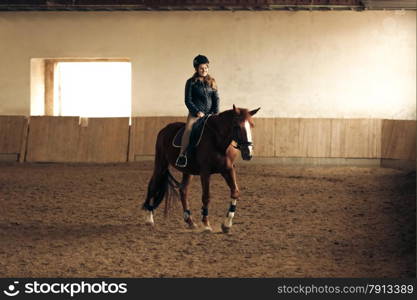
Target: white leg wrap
(149,218)
(228,221)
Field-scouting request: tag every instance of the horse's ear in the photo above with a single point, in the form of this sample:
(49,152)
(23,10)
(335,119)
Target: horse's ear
(236,110)
(252,112)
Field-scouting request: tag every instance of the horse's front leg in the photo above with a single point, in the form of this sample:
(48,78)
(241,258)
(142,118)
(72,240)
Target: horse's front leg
(205,184)
(230,177)
(184,201)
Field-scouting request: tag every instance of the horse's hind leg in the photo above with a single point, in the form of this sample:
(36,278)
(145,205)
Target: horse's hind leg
(154,186)
(186,178)
(147,205)
(230,177)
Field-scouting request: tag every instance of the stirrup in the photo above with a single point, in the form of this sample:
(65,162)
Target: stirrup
(181,161)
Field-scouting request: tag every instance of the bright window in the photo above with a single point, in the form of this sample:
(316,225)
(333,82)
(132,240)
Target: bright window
(92,89)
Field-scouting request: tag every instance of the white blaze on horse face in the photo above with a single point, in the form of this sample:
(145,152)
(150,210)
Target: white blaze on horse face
(249,136)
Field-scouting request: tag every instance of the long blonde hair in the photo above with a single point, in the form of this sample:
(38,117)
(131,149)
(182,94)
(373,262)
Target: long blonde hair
(210,81)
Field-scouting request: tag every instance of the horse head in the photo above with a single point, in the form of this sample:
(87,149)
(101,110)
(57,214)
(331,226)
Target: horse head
(242,135)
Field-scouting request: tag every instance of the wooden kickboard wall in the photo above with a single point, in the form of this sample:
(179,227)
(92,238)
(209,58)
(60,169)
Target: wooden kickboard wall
(300,137)
(13,131)
(144,131)
(307,137)
(399,139)
(63,139)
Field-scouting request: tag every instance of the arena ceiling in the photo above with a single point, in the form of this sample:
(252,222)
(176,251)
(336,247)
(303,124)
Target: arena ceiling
(109,5)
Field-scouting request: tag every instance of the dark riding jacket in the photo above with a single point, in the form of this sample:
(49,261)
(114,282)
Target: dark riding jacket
(199,96)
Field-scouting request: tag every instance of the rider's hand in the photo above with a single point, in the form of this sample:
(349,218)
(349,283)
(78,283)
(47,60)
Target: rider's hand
(200,114)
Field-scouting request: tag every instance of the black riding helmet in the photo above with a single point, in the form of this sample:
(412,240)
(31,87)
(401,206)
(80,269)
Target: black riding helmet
(200,59)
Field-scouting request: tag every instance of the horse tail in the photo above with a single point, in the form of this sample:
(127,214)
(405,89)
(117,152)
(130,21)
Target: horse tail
(162,185)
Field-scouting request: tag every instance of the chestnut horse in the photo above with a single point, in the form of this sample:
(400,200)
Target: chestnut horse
(215,153)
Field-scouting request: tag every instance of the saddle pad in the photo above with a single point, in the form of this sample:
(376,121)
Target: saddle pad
(196,133)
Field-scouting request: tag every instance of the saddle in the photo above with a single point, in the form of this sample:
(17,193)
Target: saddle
(195,135)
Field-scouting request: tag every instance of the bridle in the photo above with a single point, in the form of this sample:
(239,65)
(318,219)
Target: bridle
(237,137)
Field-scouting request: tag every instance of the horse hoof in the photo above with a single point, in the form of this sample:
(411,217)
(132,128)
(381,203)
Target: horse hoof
(192,225)
(207,229)
(225,229)
(152,224)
